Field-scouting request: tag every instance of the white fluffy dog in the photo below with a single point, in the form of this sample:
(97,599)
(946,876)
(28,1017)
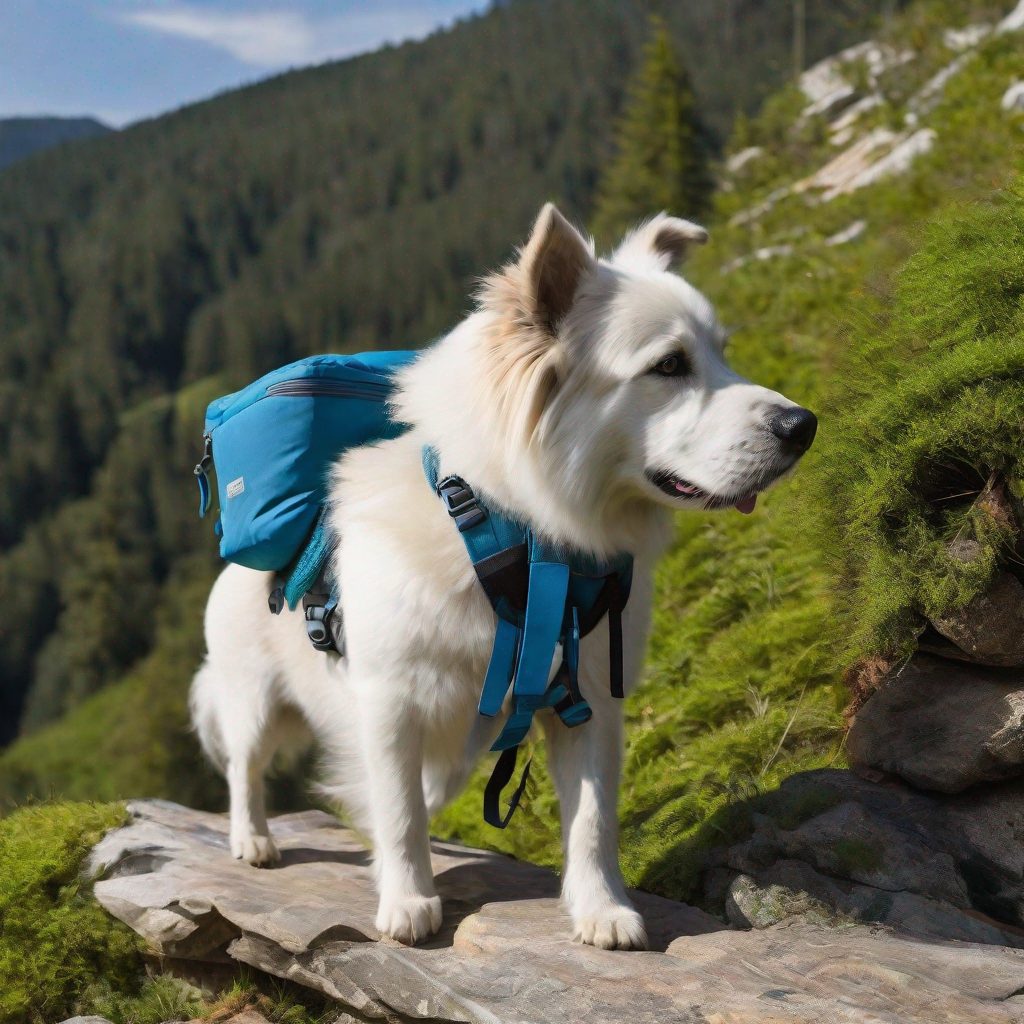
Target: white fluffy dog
(589,397)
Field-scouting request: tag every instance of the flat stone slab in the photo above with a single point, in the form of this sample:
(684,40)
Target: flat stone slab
(504,954)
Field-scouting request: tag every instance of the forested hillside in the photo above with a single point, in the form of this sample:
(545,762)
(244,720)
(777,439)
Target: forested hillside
(343,207)
(22,136)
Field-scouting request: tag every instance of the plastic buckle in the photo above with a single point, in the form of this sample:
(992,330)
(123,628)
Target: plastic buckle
(460,501)
(276,601)
(318,627)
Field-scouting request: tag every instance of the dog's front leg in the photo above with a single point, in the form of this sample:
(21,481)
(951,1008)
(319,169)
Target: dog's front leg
(585,763)
(409,909)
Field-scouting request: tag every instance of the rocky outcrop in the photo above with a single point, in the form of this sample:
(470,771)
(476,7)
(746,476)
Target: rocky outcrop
(989,629)
(504,953)
(830,846)
(880,154)
(942,725)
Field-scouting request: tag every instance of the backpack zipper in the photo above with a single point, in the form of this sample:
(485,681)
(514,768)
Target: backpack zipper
(311,386)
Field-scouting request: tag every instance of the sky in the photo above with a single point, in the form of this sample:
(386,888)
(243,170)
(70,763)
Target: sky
(124,60)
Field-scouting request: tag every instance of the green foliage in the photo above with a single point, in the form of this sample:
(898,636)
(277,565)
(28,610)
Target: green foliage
(935,404)
(56,941)
(662,146)
(146,1001)
(279,1001)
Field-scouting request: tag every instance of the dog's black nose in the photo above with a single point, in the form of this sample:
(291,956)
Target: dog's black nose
(794,427)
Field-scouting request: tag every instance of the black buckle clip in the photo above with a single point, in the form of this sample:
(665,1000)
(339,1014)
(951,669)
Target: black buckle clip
(318,627)
(461,503)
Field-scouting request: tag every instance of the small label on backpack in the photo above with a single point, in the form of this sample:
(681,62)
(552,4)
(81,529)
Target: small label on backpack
(236,487)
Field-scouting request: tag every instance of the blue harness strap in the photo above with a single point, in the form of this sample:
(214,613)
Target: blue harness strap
(561,596)
(310,563)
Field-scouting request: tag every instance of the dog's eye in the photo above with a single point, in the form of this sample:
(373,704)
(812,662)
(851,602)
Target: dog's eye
(675,365)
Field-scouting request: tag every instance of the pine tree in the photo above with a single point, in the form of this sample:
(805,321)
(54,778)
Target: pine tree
(662,146)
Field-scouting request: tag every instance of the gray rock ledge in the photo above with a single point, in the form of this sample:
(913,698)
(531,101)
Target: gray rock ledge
(504,954)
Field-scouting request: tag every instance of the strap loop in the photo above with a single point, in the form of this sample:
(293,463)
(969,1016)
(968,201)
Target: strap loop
(500,777)
(202,475)
(499,669)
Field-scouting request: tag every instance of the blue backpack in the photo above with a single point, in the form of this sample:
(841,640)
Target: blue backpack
(273,444)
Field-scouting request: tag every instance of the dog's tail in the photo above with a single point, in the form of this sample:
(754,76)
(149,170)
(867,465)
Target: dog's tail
(204,716)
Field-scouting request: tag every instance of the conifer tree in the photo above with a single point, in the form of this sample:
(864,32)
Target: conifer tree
(662,146)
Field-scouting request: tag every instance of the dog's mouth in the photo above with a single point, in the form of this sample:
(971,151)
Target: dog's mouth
(680,489)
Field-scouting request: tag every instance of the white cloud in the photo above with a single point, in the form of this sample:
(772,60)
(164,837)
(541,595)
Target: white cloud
(282,38)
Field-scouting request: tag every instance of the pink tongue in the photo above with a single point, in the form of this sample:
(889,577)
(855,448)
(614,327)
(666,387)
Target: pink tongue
(746,505)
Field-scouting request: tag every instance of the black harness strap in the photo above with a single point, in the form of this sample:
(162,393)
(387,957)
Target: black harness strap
(504,769)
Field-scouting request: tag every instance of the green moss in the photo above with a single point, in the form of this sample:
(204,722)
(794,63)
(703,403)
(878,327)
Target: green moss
(151,1001)
(791,813)
(56,941)
(857,857)
(935,408)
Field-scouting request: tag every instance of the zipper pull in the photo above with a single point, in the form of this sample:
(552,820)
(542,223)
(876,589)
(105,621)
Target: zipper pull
(203,477)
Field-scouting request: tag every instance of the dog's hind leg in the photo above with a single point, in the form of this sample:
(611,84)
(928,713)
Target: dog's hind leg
(241,737)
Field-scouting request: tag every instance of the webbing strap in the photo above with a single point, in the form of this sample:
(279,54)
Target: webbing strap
(310,563)
(545,607)
(497,782)
(499,669)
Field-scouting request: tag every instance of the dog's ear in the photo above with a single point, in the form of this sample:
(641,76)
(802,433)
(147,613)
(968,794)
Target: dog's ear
(659,243)
(553,263)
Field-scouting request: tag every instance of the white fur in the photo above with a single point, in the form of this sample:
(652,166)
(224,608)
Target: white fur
(545,401)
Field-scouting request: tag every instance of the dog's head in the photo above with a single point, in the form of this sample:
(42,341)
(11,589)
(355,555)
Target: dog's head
(601,385)
(642,376)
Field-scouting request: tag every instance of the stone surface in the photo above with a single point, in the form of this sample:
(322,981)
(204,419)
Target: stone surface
(86,1020)
(1013,98)
(826,84)
(939,867)
(942,725)
(848,234)
(990,628)
(880,154)
(504,954)
(967,37)
(1014,21)
(738,161)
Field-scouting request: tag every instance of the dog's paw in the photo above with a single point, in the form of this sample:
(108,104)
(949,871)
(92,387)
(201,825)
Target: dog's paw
(612,927)
(409,919)
(256,850)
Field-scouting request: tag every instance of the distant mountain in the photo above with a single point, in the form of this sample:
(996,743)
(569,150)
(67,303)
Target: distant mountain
(23,136)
